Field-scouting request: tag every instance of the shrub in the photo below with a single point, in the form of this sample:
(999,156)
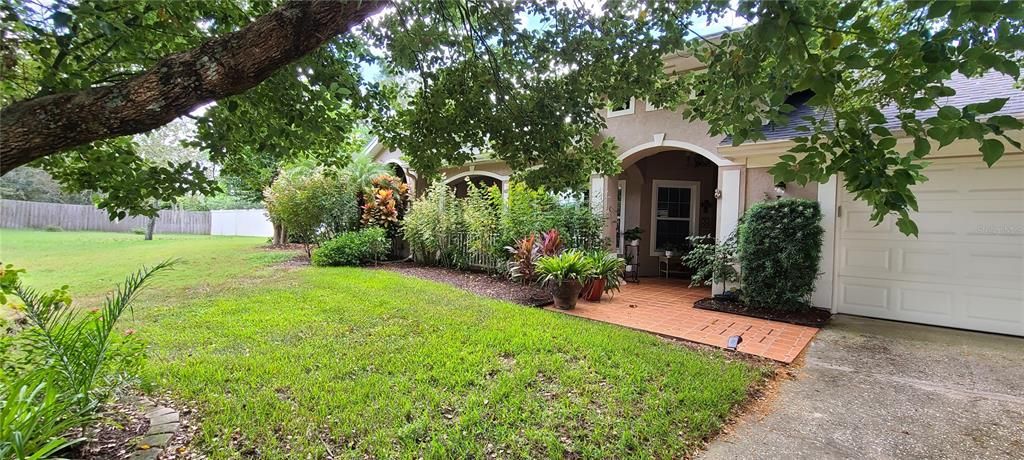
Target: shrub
(353,248)
(712,262)
(312,207)
(445,230)
(779,250)
(53,228)
(386,200)
(139,231)
(431,220)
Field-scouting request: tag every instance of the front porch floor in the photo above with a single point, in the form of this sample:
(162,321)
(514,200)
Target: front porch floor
(665,307)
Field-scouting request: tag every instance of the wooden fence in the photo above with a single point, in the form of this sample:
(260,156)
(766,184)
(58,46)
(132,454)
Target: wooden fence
(28,214)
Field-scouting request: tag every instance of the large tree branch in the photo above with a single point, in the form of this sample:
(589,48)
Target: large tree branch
(218,68)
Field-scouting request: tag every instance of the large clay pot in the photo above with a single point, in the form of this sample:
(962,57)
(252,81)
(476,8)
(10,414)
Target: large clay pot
(585,292)
(596,290)
(566,293)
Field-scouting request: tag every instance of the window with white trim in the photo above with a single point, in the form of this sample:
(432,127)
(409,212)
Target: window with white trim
(626,108)
(673,214)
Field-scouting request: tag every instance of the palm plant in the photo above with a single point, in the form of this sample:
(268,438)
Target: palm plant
(65,357)
(362,170)
(76,346)
(606,270)
(566,272)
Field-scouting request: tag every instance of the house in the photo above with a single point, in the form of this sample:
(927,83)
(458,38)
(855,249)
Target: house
(965,270)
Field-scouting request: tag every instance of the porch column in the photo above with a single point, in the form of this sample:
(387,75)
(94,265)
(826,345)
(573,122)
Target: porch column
(730,204)
(828,199)
(603,201)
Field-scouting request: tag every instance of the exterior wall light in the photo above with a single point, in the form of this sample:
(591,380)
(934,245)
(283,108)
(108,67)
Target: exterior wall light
(780,189)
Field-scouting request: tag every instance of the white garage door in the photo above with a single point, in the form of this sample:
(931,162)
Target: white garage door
(966,270)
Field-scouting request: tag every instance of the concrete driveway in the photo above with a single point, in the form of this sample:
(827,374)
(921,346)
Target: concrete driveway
(880,389)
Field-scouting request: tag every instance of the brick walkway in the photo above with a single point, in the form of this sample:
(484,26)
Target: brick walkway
(665,307)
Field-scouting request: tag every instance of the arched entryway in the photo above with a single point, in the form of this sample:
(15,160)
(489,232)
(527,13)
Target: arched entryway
(460,182)
(669,193)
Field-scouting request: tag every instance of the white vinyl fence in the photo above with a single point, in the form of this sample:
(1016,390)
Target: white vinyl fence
(28,214)
(241,222)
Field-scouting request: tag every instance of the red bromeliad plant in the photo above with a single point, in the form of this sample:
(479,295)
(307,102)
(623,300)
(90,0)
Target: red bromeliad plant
(522,266)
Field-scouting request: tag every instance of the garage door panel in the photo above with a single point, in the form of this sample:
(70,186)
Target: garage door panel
(930,263)
(966,268)
(986,309)
(1002,306)
(1004,267)
(925,301)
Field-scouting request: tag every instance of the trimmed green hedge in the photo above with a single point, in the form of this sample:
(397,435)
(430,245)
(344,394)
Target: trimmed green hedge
(353,248)
(779,253)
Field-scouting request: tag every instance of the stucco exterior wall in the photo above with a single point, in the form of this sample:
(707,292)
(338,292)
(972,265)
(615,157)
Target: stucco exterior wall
(643,125)
(760,182)
(493,167)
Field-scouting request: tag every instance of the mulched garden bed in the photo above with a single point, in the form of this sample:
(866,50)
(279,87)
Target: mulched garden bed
(816,317)
(122,424)
(113,436)
(484,284)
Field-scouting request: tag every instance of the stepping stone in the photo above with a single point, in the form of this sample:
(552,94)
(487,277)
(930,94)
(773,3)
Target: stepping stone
(163,428)
(149,454)
(170,417)
(159,411)
(156,441)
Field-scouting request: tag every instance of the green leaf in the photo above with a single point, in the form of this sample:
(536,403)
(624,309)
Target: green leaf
(921,103)
(940,8)
(991,151)
(907,226)
(857,61)
(61,20)
(848,11)
(886,143)
(881,131)
(949,113)
(1006,122)
(993,105)
(922,147)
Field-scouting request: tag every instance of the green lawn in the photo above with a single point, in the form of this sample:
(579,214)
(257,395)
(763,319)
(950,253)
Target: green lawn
(93,262)
(360,363)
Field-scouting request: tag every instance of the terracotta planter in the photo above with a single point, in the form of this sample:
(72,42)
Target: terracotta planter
(566,293)
(586,289)
(596,290)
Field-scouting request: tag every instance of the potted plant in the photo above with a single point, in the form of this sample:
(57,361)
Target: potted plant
(671,249)
(605,274)
(632,236)
(566,273)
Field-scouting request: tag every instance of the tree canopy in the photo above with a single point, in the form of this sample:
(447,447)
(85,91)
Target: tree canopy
(521,81)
